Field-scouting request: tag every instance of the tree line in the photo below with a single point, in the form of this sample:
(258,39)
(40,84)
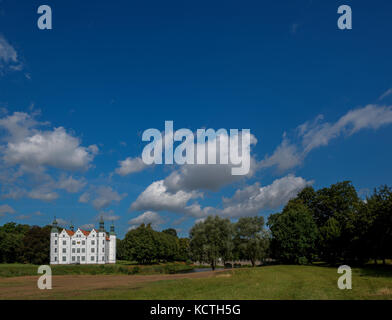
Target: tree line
(146,245)
(24,244)
(332,224)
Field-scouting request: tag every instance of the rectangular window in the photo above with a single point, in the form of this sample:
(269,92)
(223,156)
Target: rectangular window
(73,258)
(73,242)
(92,250)
(55,250)
(103,258)
(83,258)
(64,250)
(55,258)
(55,241)
(64,242)
(83,242)
(64,258)
(78,250)
(103,241)
(73,250)
(92,242)
(103,249)
(92,258)
(83,250)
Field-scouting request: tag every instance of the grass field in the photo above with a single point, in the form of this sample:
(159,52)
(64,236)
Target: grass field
(122,267)
(269,282)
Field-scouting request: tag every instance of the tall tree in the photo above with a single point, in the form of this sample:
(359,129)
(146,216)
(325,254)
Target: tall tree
(294,233)
(210,239)
(250,239)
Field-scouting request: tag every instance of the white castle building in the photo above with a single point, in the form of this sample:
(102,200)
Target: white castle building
(81,246)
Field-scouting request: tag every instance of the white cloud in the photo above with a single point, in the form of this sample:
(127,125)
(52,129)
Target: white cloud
(31,148)
(8,56)
(22,217)
(130,165)
(56,148)
(101,197)
(317,133)
(62,222)
(212,177)
(369,117)
(107,216)
(147,217)
(156,198)
(5,208)
(84,198)
(253,199)
(385,94)
(70,184)
(285,156)
(42,194)
(87,226)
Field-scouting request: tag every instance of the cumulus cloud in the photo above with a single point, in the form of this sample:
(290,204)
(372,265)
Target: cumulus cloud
(30,147)
(285,156)
(148,217)
(157,198)
(212,177)
(56,148)
(101,197)
(5,208)
(253,199)
(42,194)
(248,201)
(71,184)
(84,197)
(107,216)
(130,165)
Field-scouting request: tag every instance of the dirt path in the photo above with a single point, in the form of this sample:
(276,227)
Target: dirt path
(26,287)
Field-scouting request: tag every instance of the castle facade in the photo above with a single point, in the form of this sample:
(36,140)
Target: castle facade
(81,246)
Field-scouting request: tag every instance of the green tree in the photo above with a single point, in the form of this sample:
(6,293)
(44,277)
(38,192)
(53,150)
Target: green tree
(36,245)
(170,231)
(183,249)
(294,233)
(139,245)
(210,239)
(250,239)
(379,234)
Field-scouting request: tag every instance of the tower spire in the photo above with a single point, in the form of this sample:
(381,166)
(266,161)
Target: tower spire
(101,225)
(112,229)
(54,226)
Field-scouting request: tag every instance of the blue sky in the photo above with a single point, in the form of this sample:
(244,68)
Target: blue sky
(75,100)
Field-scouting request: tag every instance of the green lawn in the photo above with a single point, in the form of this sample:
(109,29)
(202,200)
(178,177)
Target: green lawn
(270,282)
(122,267)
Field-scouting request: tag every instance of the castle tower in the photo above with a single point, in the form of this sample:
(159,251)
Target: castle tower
(112,245)
(101,256)
(54,243)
